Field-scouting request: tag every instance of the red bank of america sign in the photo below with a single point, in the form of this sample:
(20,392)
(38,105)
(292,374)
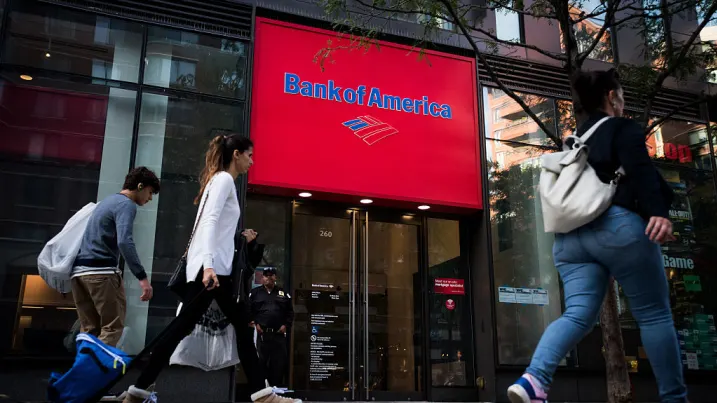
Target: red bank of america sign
(377,123)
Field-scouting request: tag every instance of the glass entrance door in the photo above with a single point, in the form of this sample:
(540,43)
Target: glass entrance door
(358,329)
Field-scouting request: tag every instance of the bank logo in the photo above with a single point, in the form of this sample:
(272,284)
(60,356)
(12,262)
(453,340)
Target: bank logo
(370,129)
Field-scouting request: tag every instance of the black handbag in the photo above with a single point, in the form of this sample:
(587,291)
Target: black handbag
(178,282)
(247,255)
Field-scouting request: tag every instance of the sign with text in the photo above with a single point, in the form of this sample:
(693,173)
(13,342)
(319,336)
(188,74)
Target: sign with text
(380,123)
(449,286)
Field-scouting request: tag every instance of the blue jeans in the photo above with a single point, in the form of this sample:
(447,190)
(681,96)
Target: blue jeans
(615,245)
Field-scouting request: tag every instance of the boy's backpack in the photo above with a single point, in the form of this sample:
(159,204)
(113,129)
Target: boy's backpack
(96,366)
(57,258)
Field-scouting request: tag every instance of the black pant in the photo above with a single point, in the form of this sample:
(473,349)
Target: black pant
(198,301)
(272,356)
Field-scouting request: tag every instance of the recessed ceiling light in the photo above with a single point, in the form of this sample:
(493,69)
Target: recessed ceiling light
(424,207)
(305,194)
(366,201)
(25,77)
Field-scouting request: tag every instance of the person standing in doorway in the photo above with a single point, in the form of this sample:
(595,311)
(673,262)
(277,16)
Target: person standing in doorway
(272,313)
(209,269)
(97,285)
(622,243)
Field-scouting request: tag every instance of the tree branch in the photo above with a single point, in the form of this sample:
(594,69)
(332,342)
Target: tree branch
(674,63)
(641,13)
(640,10)
(610,15)
(594,14)
(490,35)
(667,19)
(558,141)
(515,10)
(562,10)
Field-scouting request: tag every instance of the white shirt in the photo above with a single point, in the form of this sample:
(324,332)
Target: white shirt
(213,242)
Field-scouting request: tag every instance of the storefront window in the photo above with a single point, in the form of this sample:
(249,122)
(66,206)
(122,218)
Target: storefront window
(173,135)
(689,262)
(527,284)
(451,348)
(63,40)
(62,145)
(195,62)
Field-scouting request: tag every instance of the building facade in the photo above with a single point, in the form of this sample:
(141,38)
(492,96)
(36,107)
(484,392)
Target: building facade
(396,194)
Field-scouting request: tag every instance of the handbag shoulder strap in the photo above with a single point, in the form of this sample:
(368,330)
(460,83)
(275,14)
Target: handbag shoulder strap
(199,217)
(584,138)
(592,130)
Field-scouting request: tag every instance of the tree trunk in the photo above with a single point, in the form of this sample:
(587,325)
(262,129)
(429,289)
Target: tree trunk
(618,380)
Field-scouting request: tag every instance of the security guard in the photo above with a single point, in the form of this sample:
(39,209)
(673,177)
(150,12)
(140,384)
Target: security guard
(271,312)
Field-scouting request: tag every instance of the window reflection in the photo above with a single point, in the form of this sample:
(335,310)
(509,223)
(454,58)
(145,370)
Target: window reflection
(174,134)
(509,122)
(688,262)
(67,41)
(268,218)
(680,142)
(708,35)
(589,17)
(522,251)
(62,145)
(507,25)
(194,62)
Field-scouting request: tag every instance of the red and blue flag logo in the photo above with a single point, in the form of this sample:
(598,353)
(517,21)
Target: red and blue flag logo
(370,129)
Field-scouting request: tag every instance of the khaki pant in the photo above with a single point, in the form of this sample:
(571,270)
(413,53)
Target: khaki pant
(101,305)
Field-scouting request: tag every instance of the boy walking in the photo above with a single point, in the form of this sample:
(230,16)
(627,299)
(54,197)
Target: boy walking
(97,285)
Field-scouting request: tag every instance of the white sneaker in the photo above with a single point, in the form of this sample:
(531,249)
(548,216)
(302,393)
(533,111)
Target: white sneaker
(267,395)
(137,395)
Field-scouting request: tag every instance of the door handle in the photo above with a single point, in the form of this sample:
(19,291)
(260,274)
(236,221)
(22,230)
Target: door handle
(480,383)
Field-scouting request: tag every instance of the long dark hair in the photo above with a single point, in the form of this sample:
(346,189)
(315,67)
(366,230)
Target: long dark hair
(592,87)
(219,156)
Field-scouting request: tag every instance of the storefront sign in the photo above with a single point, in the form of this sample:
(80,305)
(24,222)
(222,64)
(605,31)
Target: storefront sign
(672,152)
(380,123)
(449,286)
(450,304)
(672,262)
(332,92)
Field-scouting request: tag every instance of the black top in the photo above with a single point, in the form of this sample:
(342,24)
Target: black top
(272,310)
(621,141)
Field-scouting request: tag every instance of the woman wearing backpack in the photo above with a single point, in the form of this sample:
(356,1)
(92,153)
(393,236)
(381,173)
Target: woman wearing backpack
(623,243)
(209,268)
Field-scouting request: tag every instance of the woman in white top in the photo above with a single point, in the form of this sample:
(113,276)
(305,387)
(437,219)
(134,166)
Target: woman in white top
(209,267)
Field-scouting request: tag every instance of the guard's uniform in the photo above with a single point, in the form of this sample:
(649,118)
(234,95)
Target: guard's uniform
(271,311)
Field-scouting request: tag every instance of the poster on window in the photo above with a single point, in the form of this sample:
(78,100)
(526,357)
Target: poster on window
(449,286)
